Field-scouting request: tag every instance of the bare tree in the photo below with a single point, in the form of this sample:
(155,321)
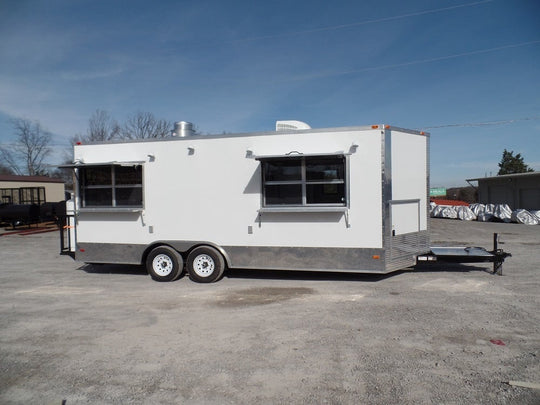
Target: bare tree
(143,125)
(4,169)
(10,161)
(140,125)
(66,175)
(101,127)
(30,149)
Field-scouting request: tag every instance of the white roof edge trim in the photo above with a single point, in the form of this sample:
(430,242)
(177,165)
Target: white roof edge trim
(255,134)
(232,135)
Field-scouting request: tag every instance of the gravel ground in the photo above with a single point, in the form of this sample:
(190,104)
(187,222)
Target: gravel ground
(109,334)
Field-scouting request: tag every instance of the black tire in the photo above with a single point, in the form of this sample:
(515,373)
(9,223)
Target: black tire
(205,264)
(164,264)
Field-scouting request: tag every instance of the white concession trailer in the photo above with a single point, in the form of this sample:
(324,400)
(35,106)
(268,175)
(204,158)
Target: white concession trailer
(351,199)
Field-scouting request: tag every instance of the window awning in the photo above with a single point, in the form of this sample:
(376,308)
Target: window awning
(295,154)
(115,163)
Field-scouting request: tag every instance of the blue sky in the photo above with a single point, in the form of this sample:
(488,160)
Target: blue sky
(238,66)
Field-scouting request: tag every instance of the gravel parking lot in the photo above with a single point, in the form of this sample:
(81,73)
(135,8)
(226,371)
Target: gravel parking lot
(449,334)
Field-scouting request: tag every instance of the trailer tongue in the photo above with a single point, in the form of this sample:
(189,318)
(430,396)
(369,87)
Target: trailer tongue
(462,254)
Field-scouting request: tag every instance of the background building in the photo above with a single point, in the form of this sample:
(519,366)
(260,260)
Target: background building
(30,189)
(520,190)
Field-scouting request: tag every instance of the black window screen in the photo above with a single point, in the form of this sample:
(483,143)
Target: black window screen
(111,186)
(304,181)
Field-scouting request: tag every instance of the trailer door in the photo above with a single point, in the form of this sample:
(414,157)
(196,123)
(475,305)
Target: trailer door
(404,238)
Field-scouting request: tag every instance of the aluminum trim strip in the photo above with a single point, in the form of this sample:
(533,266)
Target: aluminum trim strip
(409,131)
(428,180)
(386,185)
(306,258)
(356,271)
(360,260)
(113,253)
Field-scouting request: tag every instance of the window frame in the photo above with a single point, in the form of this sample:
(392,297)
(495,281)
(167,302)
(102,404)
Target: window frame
(113,187)
(304,183)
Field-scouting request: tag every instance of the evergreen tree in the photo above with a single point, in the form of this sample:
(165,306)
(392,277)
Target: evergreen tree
(511,164)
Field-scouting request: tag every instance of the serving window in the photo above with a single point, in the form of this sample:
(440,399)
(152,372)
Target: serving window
(111,186)
(304,181)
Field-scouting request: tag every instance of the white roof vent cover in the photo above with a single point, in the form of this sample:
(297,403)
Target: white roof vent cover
(291,125)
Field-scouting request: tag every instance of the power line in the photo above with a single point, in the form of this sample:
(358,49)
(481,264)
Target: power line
(480,124)
(366,22)
(60,145)
(416,62)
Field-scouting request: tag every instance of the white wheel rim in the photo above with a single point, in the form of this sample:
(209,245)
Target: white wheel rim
(203,265)
(162,265)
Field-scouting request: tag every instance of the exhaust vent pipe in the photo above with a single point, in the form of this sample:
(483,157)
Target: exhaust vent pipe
(183,129)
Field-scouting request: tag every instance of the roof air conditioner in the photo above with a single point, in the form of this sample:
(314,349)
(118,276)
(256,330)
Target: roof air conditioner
(291,125)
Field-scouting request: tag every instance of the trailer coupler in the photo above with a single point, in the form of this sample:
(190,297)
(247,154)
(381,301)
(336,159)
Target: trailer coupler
(468,255)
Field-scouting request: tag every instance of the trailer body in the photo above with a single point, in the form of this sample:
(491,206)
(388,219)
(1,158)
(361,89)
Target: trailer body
(350,199)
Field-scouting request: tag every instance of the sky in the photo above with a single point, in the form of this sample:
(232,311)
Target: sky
(467,72)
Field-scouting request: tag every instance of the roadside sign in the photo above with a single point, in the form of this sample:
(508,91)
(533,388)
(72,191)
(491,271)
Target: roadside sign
(437,192)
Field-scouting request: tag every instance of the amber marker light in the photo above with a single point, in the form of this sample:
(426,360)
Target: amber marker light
(376,257)
(374,126)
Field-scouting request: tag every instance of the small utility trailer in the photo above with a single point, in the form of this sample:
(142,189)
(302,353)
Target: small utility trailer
(351,199)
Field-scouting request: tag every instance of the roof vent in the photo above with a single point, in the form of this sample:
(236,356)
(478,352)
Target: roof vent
(291,125)
(183,129)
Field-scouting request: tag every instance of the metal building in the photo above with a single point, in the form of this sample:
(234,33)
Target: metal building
(520,190)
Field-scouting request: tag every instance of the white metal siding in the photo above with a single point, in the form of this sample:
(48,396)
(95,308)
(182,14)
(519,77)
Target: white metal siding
(212,193)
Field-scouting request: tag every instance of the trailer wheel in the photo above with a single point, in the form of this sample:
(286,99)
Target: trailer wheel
(205,264)
(164,264)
